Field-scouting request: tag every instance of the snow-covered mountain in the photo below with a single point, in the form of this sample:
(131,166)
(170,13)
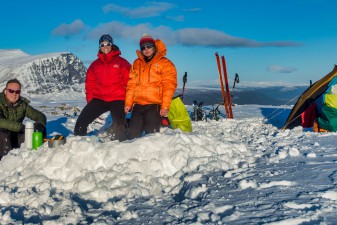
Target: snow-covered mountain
(44,74)
(63,75)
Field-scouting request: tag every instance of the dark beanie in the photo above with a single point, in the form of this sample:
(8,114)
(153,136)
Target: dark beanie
(105,37)
(146,39)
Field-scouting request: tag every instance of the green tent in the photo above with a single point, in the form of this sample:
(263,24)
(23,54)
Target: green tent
(310,96)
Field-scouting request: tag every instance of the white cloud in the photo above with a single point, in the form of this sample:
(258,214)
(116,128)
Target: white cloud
(280,69)
(216,38)
(69,29)
(192,10)
(121,30)
(150,9)
(176,18)
(187,36)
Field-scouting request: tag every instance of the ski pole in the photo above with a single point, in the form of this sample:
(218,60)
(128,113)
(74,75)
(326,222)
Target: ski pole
(184,81)
(236,80)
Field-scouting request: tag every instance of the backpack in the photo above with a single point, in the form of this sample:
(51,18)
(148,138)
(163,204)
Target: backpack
(178,116)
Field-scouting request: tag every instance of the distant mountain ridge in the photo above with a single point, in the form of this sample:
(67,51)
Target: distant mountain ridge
(271,95)
(57,76)
(46,74)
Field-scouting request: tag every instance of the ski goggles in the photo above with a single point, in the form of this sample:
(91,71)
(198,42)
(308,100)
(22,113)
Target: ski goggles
(148,46)
(107,44)
(13,91)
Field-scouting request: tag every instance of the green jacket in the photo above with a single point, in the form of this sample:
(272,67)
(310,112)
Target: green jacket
(12,115)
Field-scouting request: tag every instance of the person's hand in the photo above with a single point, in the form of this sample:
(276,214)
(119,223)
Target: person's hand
(39,127)
(163,112)
(127,109)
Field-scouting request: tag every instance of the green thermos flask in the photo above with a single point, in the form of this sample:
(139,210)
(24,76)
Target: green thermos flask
(37,139)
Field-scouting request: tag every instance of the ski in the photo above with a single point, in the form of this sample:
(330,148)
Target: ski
(222,85)
(229,100)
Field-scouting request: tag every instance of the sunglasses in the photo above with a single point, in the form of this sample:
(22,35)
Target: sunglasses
(148,46)
(13,91)
(107,44)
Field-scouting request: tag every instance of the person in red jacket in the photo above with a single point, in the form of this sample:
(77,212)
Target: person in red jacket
(151,86)
(105,87)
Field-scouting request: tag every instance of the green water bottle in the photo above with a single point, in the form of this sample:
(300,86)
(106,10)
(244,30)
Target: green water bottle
(37,139)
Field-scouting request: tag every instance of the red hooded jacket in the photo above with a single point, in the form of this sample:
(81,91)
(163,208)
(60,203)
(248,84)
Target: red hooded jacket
(107,77)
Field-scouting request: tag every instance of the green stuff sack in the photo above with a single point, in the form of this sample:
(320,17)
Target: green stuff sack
(178,116)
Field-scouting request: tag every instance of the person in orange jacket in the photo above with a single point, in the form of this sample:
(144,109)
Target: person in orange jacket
(151,86)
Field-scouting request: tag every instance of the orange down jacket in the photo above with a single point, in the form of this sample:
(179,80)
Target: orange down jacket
(154,82)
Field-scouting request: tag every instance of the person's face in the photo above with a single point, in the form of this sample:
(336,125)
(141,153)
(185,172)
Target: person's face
(15,95)
(148,49)
(105,47)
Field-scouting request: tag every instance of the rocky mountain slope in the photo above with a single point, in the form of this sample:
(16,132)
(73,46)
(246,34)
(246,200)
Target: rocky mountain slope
(44,75)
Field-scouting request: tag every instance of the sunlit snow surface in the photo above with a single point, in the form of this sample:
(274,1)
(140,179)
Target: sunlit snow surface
(245,170)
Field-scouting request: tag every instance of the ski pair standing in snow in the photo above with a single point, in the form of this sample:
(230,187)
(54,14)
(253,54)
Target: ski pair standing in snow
(105,87)
(152,84)
(13,110)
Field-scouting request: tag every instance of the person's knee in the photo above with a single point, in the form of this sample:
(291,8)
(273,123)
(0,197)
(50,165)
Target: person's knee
(5,149)
(85,118)
(5,143)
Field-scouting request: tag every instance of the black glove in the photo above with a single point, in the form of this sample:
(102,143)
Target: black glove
(39,127)
(22,130)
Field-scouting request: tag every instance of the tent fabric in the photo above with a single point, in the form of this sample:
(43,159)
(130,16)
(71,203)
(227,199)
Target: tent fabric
(307,98)
(328,120)
(332,86)
(331,100)
(178,116)
(309,116)
(316,128)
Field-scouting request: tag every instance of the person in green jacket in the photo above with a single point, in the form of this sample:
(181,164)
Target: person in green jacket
(13,110)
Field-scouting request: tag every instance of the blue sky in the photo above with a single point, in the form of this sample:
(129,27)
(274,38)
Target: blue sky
(263,41)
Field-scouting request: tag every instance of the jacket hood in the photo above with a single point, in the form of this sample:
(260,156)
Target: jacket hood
(108,57)
(160,53)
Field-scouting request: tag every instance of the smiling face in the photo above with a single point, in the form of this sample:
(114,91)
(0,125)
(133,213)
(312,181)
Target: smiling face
(105,47)
(148,49)
(12,92)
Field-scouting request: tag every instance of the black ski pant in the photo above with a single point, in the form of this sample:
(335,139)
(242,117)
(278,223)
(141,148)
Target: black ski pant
(97,107)
(144,118)
(10,140)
